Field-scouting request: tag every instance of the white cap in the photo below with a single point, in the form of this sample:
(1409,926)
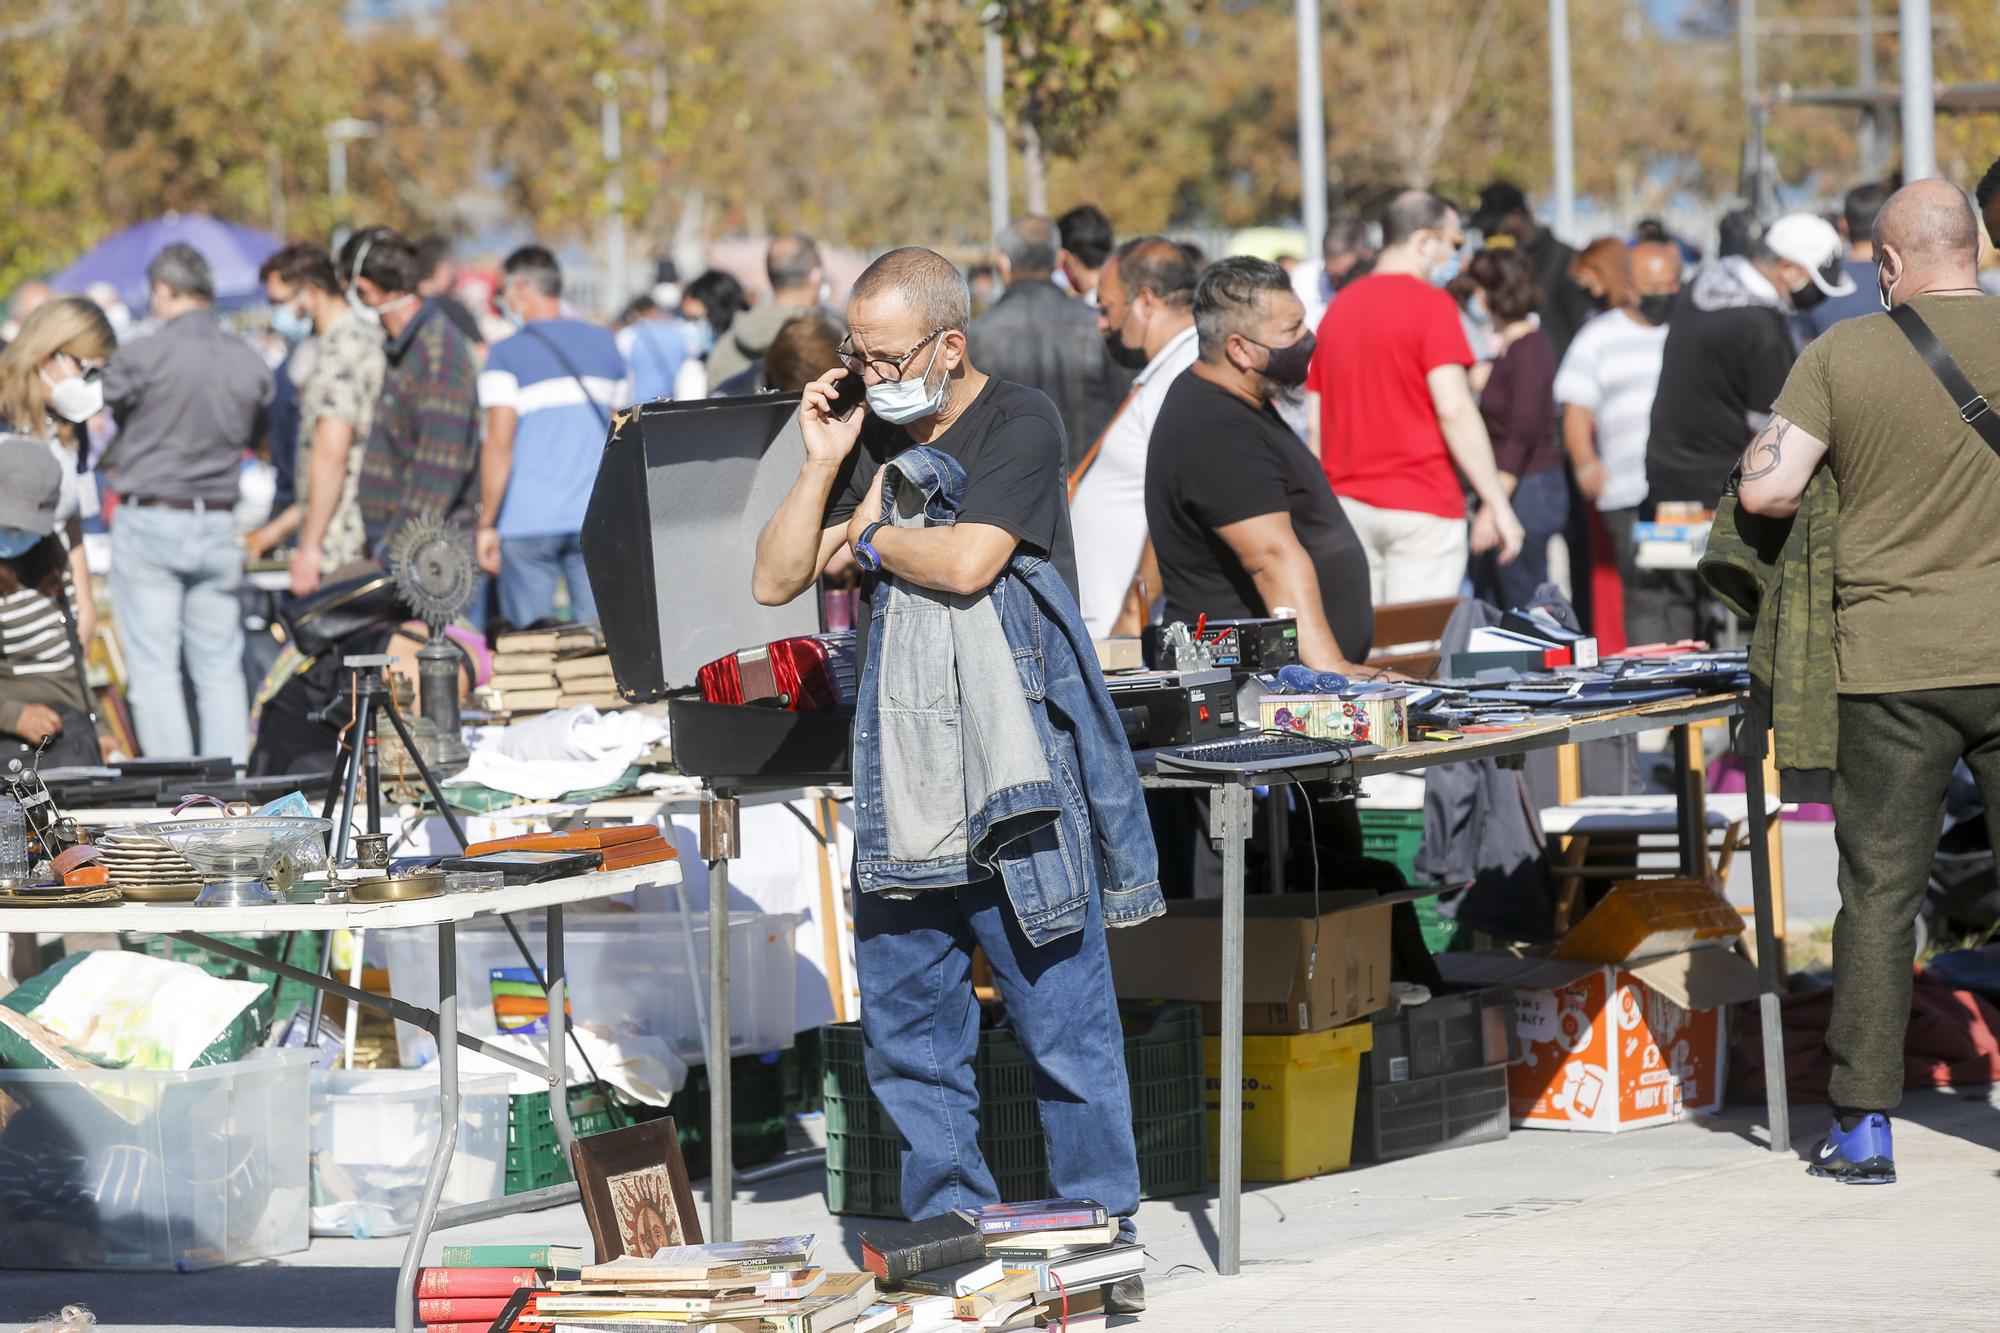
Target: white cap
(1810,241)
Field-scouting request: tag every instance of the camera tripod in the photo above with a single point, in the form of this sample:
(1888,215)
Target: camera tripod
(357,755)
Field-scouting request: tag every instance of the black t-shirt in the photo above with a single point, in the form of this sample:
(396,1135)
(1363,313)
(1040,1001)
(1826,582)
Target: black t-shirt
(1216,460)
(1720,366)
(1010,443)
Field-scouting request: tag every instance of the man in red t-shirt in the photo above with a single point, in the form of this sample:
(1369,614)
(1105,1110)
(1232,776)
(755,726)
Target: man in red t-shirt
(1394,422)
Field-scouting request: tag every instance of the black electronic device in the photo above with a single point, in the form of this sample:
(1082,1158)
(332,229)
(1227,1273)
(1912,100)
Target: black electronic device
(528,867)
(1260,753)
(848,393)
(1175,708)
(1240,645)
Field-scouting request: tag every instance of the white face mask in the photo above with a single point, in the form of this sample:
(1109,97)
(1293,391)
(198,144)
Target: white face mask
(372,314)
(1887,295)
(909,400)
(77,399)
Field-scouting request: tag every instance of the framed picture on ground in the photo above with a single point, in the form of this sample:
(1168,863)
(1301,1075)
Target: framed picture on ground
(635,1190)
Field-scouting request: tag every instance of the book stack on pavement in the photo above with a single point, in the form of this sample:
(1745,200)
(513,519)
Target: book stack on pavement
(757,1286)
(1007,1266)
(474,1283)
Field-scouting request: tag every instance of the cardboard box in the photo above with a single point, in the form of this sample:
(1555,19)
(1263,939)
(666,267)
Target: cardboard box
(1651,918)
(1607,1047)
(1179,957)
(1371,720)
(1121,654)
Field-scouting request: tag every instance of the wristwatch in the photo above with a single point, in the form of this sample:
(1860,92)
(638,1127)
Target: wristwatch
(864,550)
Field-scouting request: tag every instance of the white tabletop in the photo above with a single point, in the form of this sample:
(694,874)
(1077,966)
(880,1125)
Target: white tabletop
(339,916)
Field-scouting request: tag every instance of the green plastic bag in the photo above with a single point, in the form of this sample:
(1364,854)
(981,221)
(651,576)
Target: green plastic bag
(241,1036)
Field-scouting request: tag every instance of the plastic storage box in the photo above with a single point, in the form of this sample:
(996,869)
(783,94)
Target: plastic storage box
(627,975)
(373,1133)
(1448,1034)
(1395,836)
(864,1164)
(1430,1114)
(161,1170)
(1298,1101)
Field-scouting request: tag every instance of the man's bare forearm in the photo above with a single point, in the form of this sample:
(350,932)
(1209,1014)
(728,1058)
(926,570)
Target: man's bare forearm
(1471,449)
(1289,579)
(964,558)
(788,548)
(1579,428)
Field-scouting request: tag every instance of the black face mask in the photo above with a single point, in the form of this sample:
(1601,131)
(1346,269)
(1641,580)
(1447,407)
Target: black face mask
(1286,367)
(1806,297)
(1132,358)
(1656,307)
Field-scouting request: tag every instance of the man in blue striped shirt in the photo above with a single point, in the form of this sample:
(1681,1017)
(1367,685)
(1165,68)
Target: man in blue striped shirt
(548,393)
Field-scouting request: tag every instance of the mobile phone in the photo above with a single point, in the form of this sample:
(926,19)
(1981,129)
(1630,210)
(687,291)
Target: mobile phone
(848,393)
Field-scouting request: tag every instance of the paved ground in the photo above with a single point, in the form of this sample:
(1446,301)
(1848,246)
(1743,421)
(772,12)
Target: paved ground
(1697,1224)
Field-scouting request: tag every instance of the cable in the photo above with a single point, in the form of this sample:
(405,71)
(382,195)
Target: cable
(1312,833)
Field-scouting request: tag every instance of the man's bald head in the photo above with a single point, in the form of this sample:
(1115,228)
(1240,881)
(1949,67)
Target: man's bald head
(793,265)
(922,281)
(1656,267)
(1931,227)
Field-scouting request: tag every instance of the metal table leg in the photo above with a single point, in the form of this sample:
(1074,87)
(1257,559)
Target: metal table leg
(720,832)
(1770,984)
(1230,822)
(1690,810)
(447,1062)
(558,1033)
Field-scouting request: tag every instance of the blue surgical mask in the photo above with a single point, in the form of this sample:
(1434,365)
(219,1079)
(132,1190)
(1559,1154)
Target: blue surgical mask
(1448,270)
(17,542)
(291,324)
(700,337)
(910,399)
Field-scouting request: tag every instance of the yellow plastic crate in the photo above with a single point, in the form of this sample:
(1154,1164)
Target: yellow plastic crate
(1298,1101)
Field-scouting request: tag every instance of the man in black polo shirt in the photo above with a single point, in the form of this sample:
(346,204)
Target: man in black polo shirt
(1241,515)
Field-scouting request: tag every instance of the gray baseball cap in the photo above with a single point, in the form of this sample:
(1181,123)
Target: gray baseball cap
(33,485)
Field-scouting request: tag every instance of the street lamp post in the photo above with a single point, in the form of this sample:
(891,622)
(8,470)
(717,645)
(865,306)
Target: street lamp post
(1312,129)
(1559,108)
(338,135)
(1919,107)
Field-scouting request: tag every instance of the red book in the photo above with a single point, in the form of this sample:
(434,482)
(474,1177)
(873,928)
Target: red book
(475,1281)
(461,1309)
(480,1326)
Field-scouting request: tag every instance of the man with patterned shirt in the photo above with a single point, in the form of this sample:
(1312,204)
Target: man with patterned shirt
(423,446)
(336,405)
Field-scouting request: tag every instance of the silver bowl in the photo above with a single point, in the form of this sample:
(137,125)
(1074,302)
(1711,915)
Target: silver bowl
(235,857)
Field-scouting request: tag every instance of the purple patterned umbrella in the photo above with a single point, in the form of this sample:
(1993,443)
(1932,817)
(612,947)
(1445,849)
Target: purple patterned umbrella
(233,252)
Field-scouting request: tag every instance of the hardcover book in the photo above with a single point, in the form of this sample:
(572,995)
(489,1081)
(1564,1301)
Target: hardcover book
(1039,1215)
(895,1253)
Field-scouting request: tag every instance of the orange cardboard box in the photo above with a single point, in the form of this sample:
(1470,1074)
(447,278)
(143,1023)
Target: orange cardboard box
(1611,1047)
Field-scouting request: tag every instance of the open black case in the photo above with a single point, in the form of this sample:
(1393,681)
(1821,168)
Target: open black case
(669,541)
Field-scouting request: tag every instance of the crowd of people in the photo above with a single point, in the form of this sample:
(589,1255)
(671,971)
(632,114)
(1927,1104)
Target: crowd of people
(1163,435)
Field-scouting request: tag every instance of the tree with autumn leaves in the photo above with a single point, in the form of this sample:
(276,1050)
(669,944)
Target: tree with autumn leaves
(862,120)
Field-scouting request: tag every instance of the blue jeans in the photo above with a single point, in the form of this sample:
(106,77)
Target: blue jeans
(529,568)
(1541,502)
(921,1023)
(174,576)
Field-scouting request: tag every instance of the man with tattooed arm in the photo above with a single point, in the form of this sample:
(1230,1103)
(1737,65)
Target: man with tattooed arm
(1917,638)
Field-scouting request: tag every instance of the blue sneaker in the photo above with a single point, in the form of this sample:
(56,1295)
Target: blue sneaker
(1864,1155)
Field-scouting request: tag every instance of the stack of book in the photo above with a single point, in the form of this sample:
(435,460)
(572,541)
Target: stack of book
(1007,1266)
(475,1283)
(536,670)
(754,1286)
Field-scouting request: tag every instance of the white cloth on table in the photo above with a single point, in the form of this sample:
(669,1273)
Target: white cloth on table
(570,749)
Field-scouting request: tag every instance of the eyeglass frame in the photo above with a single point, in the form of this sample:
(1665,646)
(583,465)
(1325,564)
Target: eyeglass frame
(899,365)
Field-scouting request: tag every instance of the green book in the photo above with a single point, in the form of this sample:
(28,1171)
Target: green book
(511,1256)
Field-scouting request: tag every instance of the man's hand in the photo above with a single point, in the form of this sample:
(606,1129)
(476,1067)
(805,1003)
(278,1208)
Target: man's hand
(828,440)
(1496,527)
(486,547)
(868,511)
(258,543)
(37,721)
(305,570)
(1590,480)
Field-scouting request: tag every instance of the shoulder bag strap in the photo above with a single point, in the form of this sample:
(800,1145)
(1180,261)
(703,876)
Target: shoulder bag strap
(1973,409)
(556,352)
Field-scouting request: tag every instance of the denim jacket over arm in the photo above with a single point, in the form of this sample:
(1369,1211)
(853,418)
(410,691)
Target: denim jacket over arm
(986,742)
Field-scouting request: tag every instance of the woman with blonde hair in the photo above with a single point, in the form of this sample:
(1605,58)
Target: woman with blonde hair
(49,389)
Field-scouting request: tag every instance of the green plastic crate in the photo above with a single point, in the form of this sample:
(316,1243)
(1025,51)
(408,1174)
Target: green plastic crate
(800,1067)
(1163,1063)
(756,1105)
(1395,836)
(535,1159)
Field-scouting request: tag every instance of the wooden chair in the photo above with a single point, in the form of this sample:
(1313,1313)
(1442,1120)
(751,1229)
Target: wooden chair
(1408,634)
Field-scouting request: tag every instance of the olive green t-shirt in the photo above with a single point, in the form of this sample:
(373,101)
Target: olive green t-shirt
(1917,563)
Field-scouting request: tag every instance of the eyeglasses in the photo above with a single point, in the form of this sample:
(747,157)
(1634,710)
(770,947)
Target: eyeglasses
(889,370)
